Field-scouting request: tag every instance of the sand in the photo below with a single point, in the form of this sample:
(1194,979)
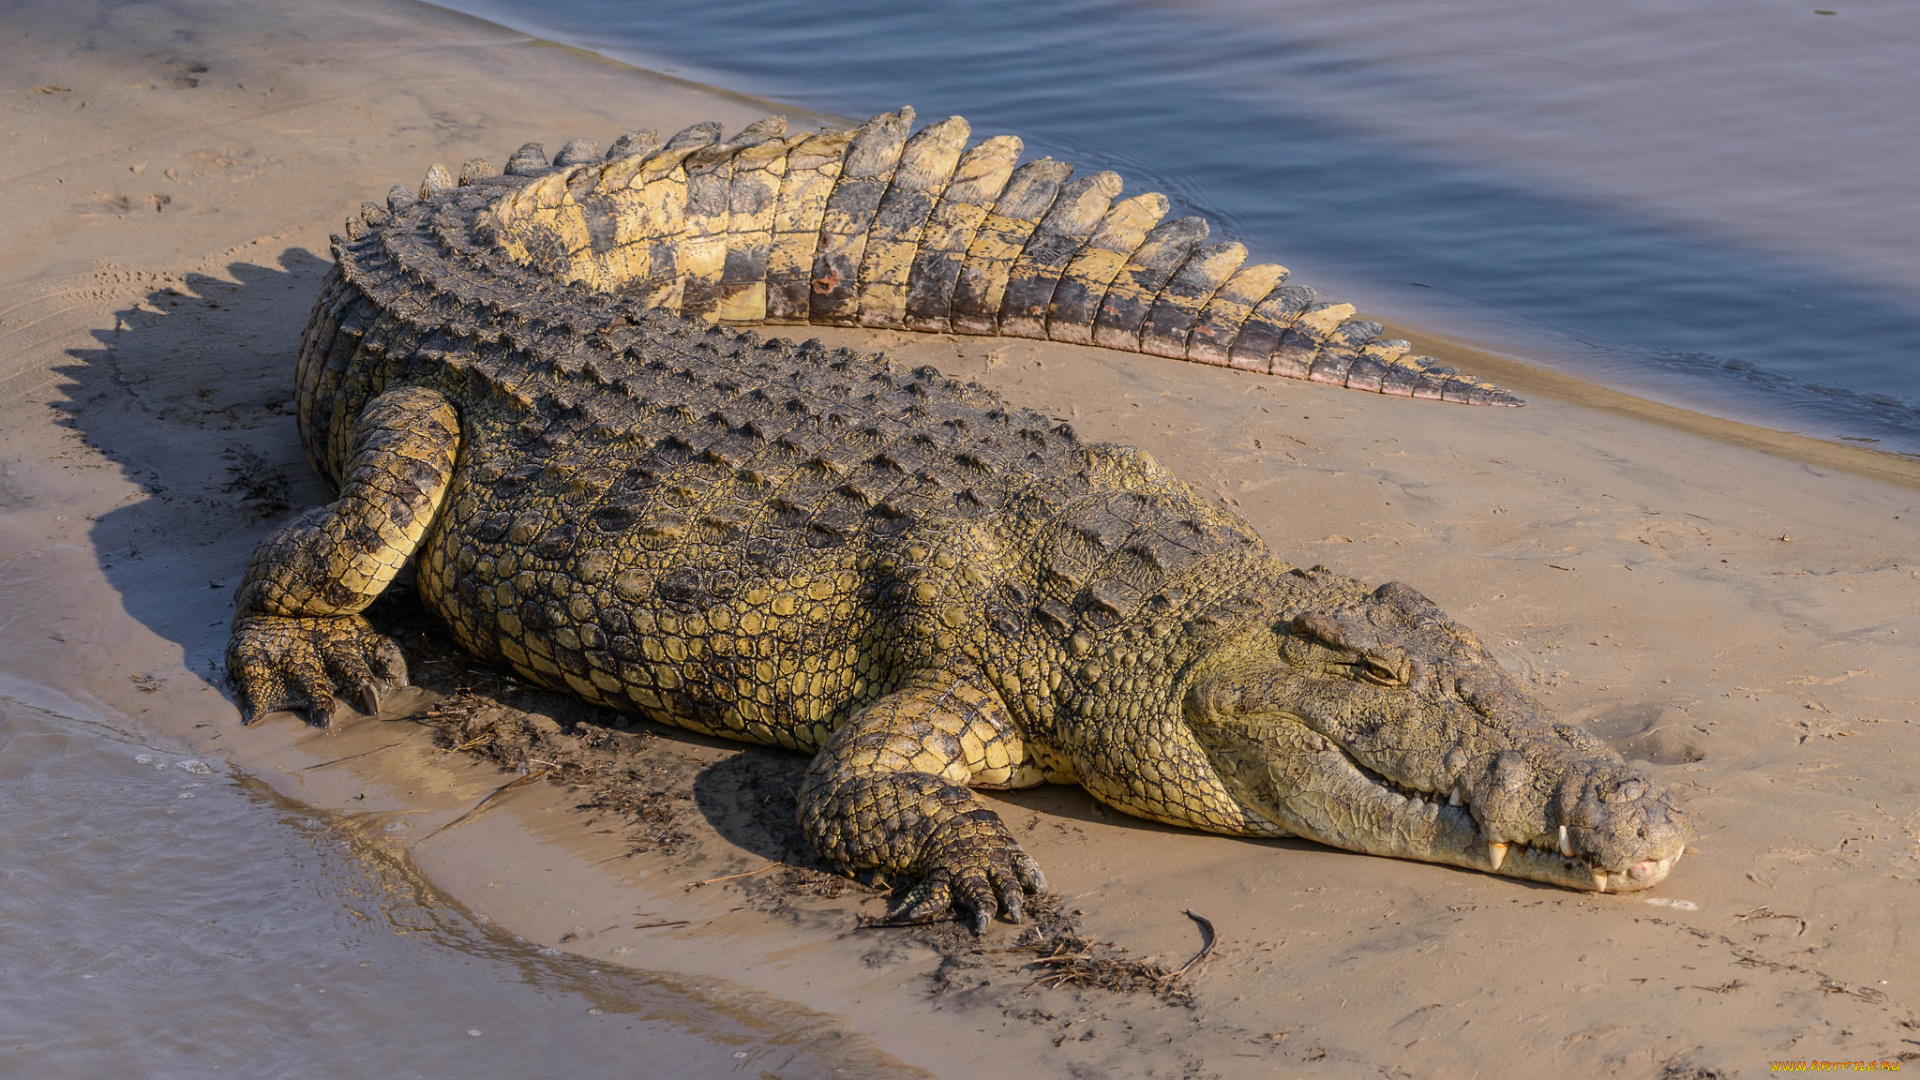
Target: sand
(1734,607)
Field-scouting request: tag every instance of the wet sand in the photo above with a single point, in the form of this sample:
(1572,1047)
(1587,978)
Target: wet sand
(1734,607)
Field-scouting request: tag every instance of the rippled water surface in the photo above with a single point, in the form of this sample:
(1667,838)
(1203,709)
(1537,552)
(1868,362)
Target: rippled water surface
(160,917)
(1707,202)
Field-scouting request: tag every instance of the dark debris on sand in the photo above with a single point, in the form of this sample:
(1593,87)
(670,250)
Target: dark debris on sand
(1051,952)
(607,766)
(263,489)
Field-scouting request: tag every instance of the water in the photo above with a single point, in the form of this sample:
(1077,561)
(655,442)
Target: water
(1706,203)
(163,917)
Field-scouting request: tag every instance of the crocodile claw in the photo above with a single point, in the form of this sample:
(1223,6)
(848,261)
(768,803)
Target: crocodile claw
(369,697)
(297,664)
(975,870)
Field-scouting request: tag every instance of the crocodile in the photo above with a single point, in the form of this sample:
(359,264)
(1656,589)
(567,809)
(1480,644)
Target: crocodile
(528,385)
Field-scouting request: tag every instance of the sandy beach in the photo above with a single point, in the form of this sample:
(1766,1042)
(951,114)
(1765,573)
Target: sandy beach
(1735,608)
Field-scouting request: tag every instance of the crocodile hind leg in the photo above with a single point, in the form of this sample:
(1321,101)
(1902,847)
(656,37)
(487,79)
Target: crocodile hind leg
(297,630)
(889,794)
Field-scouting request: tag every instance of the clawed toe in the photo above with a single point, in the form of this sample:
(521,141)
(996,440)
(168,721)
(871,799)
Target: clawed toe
(975,871)
(296,664)
(369,697)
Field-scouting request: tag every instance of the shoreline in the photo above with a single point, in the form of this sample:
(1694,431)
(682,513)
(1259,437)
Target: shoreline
(1726,604)
(1532,379)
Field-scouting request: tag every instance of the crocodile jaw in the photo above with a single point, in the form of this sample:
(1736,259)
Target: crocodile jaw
(1371,721)
(1285,772)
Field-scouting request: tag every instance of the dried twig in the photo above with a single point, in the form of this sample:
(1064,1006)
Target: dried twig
(350,757)
(864,923)
(1075,961)
(1207,940)
(483,803)
(1768,913)
(468,745)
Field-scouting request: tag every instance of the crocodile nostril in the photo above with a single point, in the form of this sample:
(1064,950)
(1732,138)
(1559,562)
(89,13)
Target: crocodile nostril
(1630,791)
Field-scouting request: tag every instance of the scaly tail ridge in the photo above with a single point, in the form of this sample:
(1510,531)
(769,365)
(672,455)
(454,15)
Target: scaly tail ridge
(1130,298)
(753,201)
(865,176)
(978,180)
(813,168)
(1076,299)
(1070,222)
(926,167)
(999,241)
(705,237)
(884,227)
(1185,295)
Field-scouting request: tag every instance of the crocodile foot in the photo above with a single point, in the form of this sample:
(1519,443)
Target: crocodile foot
(973,867)
(281,663)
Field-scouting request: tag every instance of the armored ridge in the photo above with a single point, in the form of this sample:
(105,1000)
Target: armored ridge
(872,227)
(923,587)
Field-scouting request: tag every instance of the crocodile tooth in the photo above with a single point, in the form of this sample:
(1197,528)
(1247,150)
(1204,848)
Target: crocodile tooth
(1566,845)
(1599,880)
(1455,799)
(1497,852)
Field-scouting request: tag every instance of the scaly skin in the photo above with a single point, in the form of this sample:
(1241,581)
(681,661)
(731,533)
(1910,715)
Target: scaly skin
(925,588)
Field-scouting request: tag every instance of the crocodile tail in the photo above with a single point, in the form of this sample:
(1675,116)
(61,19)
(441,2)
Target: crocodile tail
(704,242)
(866,175)
(883,227)
(975,187)
(1082,284)
(926,167)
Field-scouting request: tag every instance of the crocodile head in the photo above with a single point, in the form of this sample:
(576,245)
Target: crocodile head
(1379,725)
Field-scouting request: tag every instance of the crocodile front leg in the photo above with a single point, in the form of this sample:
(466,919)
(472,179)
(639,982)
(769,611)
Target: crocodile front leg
(889,793)
(297,631)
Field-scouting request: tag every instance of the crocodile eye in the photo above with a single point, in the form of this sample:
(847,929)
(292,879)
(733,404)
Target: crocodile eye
(1376,671)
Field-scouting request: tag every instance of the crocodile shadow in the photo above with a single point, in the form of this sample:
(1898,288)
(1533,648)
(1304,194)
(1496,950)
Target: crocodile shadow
(189,393)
